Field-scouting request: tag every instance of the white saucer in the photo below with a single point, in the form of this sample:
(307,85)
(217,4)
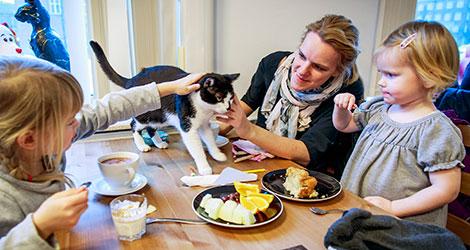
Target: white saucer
(221,141)
(101,187)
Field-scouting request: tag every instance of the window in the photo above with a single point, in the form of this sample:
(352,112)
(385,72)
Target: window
(430,6)
(456,17)
(55,7)
(69,19)
(447,17)
(134,34)
(420,7)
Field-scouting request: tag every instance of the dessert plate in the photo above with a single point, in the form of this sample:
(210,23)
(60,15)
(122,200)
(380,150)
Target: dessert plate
(101,187)
(327,186)
(275,208)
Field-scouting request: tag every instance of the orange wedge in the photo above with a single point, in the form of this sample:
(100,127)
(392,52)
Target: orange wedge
(248,204)
(268,197)
(260,203)
(243,188)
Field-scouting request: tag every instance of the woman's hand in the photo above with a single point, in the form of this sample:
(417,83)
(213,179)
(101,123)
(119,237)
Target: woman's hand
(345,101)
(181,86)
(61,211)
(236,117)
(381,203)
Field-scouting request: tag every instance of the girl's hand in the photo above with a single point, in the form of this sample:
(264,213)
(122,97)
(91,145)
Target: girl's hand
(345,101)
(381,203)
(237,119)
(181,86)
(185,85)
(61,211)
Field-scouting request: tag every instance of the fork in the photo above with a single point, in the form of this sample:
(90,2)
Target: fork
(320,211)
(355,106)
(178,220)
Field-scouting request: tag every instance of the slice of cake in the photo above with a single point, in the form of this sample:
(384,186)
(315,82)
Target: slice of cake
(299,183)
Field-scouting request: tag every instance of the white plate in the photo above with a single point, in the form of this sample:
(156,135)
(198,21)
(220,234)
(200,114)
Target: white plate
(220,141)
(101,187)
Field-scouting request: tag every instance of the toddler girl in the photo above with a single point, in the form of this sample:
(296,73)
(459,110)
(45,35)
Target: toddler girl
(407,160)
(39,102)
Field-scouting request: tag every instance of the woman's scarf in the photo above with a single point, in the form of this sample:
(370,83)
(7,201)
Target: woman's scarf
(292,112)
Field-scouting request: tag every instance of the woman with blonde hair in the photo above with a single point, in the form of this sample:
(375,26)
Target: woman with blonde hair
(294,93)
(39,104)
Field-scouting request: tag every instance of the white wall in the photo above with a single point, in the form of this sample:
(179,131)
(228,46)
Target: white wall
(248,30)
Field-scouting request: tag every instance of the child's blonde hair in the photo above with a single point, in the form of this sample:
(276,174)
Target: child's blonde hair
(340,33)
(432,52)
(35,95)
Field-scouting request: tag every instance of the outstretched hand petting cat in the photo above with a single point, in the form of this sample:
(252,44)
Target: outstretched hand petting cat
(183,86)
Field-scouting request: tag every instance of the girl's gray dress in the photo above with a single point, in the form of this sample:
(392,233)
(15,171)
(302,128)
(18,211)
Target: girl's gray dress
(393,159)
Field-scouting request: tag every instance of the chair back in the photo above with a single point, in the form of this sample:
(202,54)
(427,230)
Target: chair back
(456,224)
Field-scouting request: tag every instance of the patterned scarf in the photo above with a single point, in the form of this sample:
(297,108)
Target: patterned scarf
(292,112)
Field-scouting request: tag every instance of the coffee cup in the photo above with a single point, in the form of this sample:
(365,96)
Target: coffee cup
(119,168)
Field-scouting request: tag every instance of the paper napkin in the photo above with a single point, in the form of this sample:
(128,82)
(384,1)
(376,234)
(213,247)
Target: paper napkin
(227,176)
(200,180)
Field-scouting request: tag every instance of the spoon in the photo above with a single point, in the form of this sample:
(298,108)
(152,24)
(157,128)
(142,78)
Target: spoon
(320,211)
(178,220)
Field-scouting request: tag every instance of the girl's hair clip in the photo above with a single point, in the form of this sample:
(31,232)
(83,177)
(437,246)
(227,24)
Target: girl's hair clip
(407,41)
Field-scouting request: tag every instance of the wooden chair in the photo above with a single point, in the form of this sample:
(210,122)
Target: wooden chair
(456,224)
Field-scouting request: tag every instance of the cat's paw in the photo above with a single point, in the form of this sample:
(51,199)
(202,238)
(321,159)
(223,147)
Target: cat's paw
(204,170)
(161,145)
(139,143)
(145,148)
(218,156)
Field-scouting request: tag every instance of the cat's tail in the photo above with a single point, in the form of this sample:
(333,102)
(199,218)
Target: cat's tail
(106,67)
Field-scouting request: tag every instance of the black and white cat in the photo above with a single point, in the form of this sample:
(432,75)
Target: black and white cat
(190,114)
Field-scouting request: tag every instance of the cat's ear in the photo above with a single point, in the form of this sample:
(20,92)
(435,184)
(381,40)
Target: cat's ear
(232,77)
(208,82)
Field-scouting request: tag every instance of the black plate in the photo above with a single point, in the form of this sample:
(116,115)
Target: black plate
(327,186)
(216,192)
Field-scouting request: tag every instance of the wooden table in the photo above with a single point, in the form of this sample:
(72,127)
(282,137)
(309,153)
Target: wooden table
(95,230)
